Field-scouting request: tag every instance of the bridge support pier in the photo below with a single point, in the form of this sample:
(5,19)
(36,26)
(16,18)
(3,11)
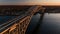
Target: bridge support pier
(42,14)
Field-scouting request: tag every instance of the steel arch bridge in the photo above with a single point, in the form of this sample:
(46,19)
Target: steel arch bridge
(19,18)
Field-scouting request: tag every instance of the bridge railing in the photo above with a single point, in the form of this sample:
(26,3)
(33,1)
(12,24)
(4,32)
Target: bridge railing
(20,24)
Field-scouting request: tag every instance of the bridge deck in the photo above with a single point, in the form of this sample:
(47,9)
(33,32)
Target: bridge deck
(13,14)
(4,19)
(7,19)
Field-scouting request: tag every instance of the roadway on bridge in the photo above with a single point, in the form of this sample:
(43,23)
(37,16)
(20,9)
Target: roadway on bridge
(7,20)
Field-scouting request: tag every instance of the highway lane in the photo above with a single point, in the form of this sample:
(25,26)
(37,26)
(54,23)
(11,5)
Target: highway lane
(14,18)
(7,21)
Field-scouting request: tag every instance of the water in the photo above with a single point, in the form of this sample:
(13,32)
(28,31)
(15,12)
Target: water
(50,24)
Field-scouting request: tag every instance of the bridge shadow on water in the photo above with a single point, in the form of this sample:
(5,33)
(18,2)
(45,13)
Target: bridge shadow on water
(36,30)
(36,26)
(44,24)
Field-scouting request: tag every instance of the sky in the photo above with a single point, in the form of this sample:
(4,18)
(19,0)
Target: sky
(29,2)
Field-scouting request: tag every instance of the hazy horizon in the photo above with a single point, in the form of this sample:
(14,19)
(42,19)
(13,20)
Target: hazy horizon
(29,2)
